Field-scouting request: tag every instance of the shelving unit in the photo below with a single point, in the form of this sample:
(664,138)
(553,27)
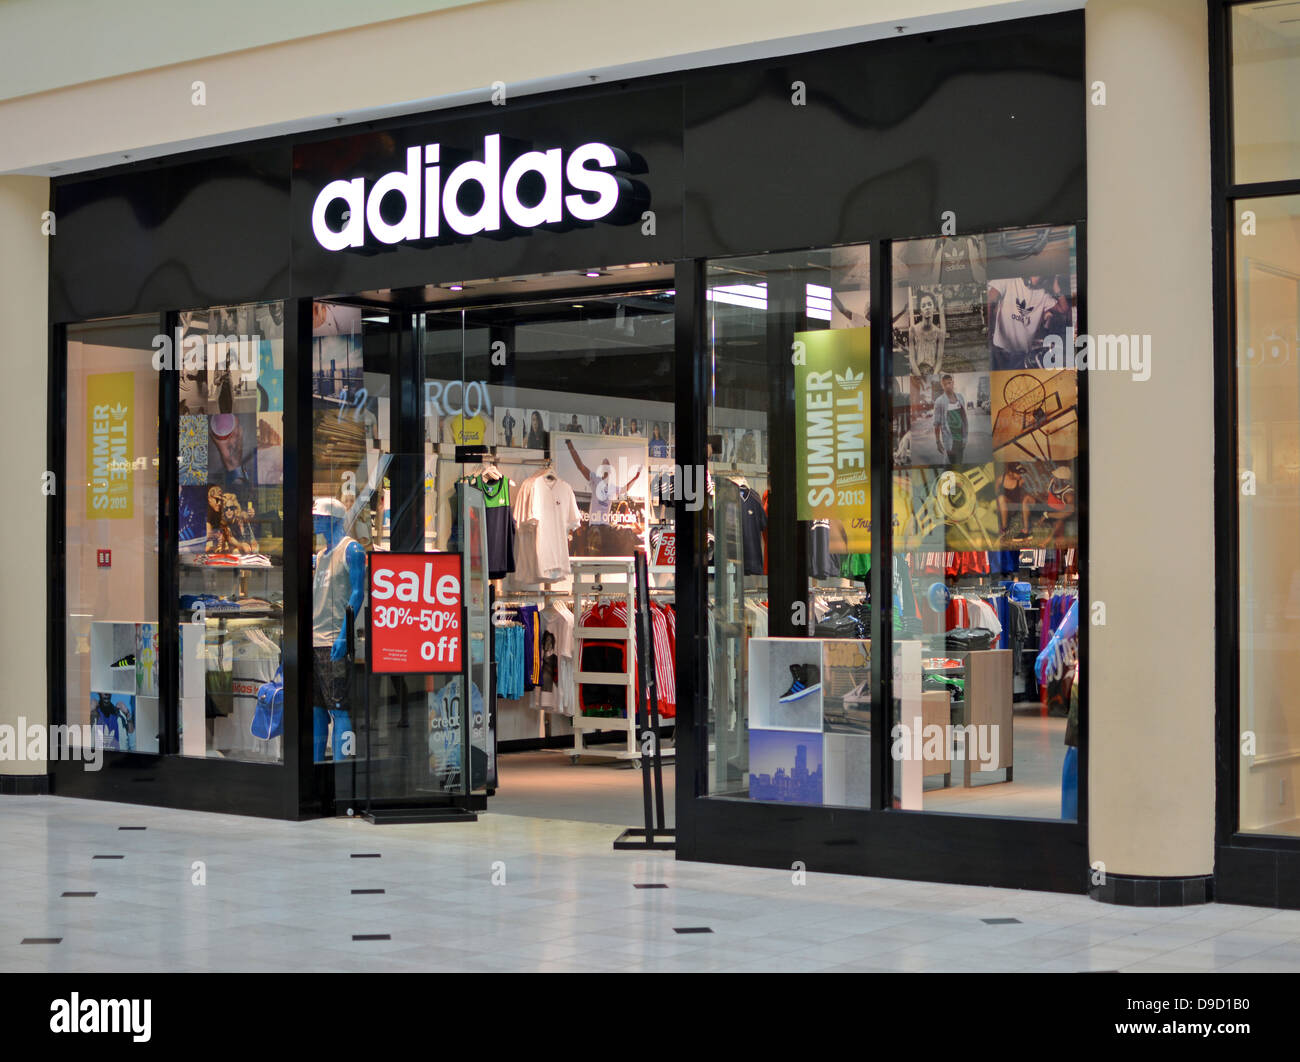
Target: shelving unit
(112,640)
(589,578)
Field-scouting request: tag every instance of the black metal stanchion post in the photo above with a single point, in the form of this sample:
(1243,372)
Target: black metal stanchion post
(652,835)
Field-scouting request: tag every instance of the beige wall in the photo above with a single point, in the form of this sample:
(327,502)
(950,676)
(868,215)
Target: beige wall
(23,298)
(442,58)
(130,35)
(1151,680)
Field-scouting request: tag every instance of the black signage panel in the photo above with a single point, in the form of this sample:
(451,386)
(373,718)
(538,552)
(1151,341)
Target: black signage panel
(980,129)
(172,235)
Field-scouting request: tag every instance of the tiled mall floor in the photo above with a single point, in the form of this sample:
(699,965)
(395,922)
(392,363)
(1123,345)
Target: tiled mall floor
(280,897)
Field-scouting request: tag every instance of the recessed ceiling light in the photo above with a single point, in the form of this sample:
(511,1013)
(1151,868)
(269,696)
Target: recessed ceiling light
(457,287)
(593,273)
(577,306)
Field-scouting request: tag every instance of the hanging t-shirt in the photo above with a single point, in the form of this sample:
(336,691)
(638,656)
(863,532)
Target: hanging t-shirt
(545,510)
(753,522)
(467,431)
(500,525)
(821,565)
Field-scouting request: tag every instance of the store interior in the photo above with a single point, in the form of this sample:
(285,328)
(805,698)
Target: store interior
(529,422)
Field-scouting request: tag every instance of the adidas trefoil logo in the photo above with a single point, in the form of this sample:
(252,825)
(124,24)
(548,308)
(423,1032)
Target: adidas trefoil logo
(849,381)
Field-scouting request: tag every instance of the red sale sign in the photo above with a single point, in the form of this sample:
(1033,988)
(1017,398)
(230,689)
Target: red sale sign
(666,553)
(415,613)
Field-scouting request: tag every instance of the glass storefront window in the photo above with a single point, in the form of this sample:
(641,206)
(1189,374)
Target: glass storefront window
(789,432)
(982,596)
(1267,280)
(1265,92)
(111,509)
(351,491)
(230,574)
(985,445)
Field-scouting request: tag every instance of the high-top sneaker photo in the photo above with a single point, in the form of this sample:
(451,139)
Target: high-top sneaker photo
(806,679)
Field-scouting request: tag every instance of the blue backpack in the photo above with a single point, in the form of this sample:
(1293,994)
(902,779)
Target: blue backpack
(268,719)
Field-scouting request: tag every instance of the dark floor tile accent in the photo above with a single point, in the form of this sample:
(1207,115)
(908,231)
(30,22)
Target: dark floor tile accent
(1001,921)
(366,892)
(81,894)
(365,855)
(371,936)
(42,940)
(692,929)
(649,885)
(108,857)
(133,827)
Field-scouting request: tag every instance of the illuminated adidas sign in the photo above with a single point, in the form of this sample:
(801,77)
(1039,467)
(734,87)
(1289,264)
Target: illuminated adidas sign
(537,188)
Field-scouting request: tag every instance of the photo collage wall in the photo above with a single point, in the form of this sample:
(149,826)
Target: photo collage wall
(232,434)
(985,423)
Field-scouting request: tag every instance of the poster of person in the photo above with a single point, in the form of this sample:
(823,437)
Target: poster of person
(940,328)
(611,483)
(1031,295)
(574,423)
(949,422)
(193,369)
(749,446)
(233,356)
(536,429)
(510,425)
(850,287)
(942,260)
(661,444)
(1036,505)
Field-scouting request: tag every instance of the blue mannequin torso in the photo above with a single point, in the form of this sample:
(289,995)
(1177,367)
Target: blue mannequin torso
(331,529)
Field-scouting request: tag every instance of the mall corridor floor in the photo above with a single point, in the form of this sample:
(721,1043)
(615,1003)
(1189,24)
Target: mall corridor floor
(93,886)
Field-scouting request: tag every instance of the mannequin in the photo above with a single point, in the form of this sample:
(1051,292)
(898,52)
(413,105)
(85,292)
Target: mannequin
(339,585)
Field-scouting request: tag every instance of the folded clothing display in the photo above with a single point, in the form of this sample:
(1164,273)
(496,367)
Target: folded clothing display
(231,560)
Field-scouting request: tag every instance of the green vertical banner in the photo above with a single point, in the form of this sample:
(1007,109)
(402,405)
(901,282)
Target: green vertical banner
(832,381)
(109,398)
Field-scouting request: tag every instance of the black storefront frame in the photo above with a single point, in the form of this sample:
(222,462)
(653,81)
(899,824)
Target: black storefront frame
(1045,854)
(1249,868)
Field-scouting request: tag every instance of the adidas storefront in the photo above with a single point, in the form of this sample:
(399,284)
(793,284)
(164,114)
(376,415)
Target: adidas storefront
(800,329)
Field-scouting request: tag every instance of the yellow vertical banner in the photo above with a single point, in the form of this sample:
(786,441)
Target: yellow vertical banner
(109,446)
(832,394)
